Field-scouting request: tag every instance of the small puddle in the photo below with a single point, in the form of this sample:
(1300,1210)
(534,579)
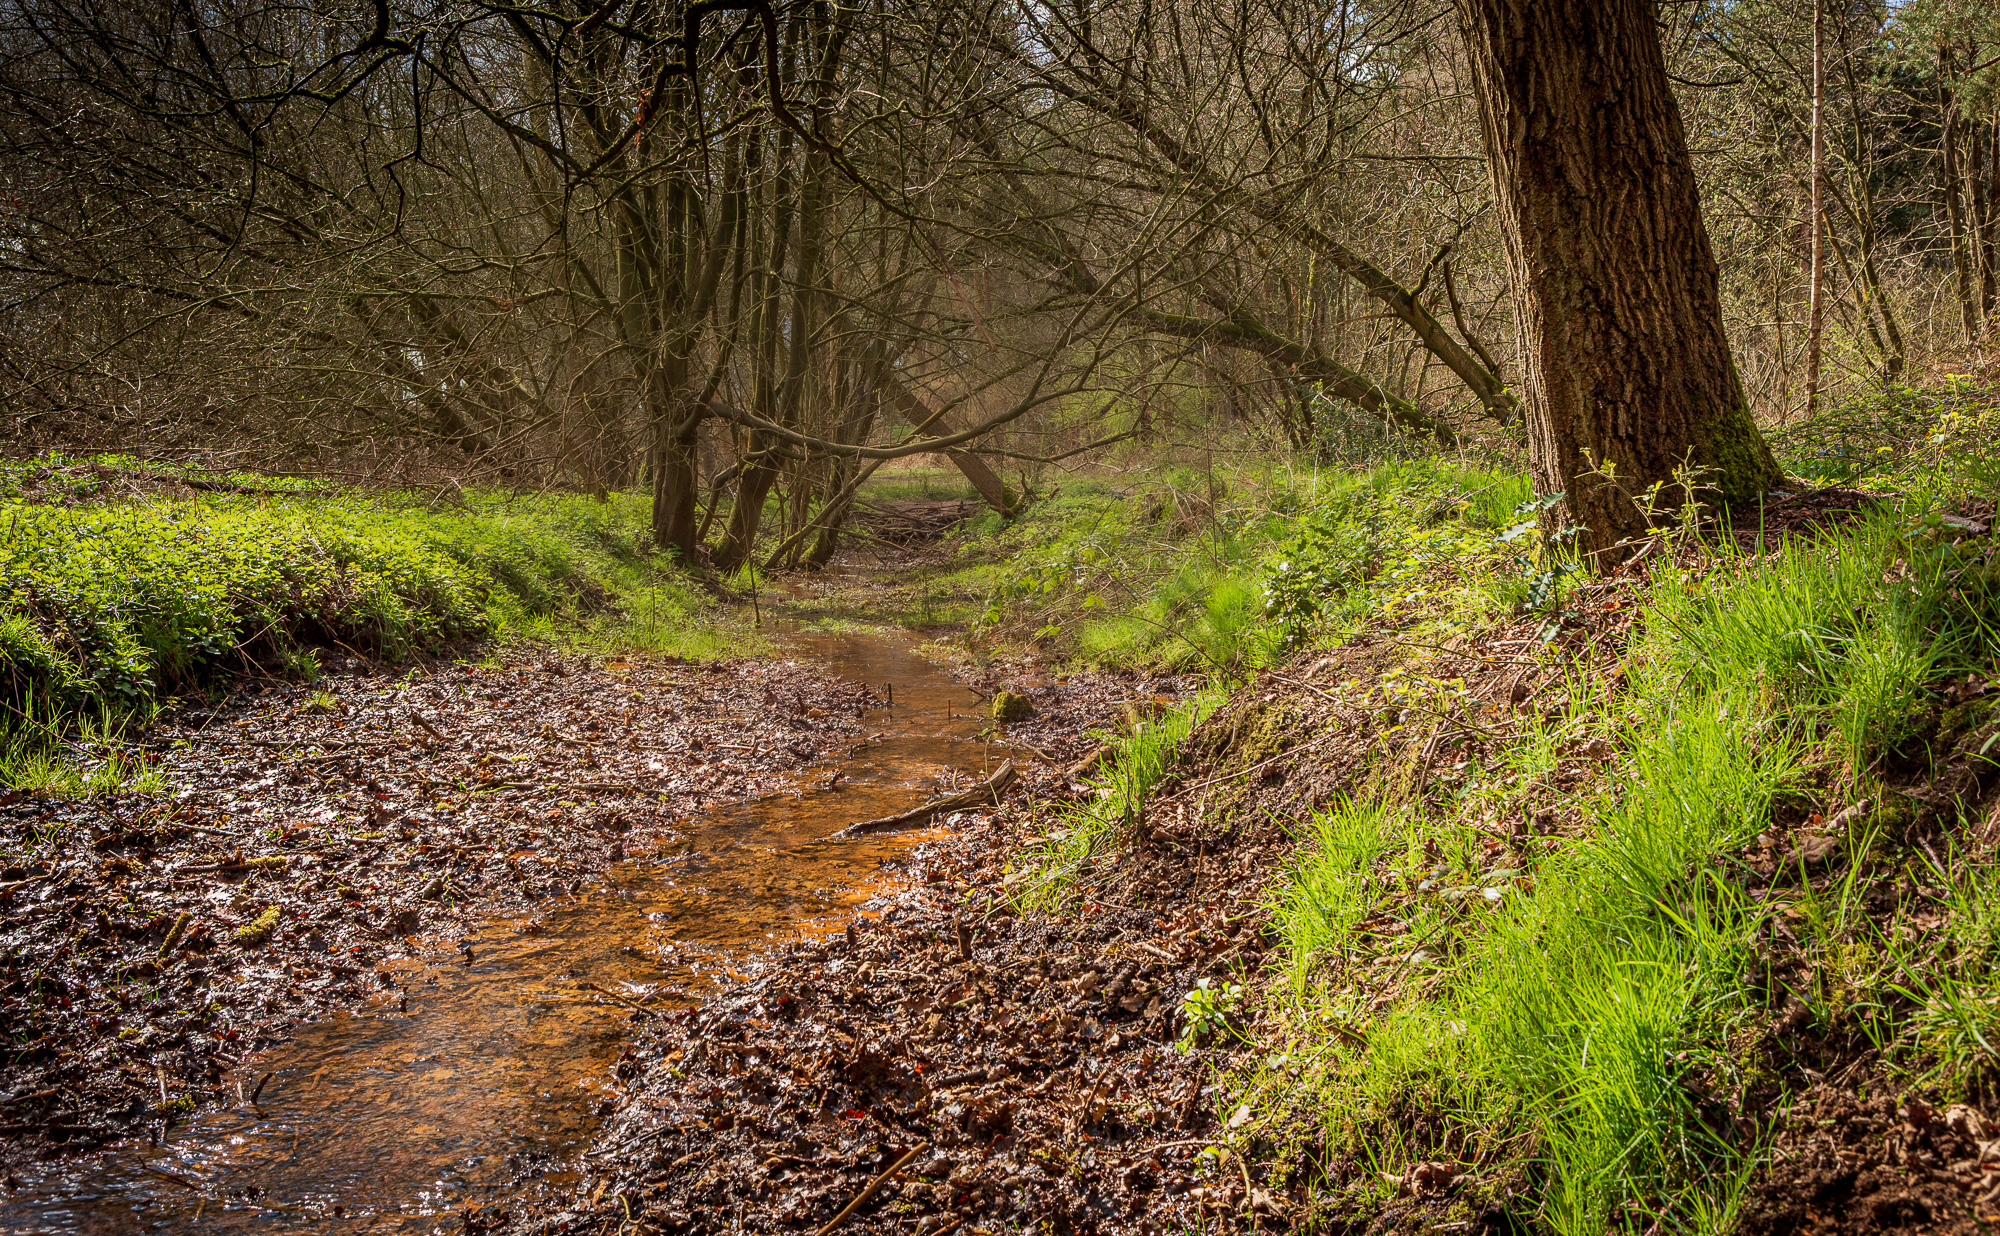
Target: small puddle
(488,1087)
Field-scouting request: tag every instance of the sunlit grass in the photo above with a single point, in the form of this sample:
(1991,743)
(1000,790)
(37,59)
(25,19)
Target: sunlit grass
(1047,873)
(1563,1007)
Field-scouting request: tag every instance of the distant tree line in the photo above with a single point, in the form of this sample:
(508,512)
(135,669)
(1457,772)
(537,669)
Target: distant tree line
(746,252)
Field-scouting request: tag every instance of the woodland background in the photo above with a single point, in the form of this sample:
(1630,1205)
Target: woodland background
(745,253)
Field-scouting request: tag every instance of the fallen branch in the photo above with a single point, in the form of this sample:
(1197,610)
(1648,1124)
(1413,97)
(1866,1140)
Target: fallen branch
(1089,764)
(874,1186)
(992,788)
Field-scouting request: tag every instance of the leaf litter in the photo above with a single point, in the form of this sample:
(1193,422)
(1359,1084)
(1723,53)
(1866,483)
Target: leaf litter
(151,943)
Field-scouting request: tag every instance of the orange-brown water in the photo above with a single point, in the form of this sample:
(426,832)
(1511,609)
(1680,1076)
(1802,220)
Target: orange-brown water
(486,1090)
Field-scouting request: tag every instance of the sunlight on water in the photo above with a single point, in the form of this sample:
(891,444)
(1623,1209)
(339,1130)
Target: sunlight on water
(478,1078)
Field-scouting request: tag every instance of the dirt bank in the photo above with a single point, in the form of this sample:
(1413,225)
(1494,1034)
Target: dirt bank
(959,1065)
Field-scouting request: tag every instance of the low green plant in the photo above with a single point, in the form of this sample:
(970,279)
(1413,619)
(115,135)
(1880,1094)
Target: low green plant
(114,602)
(1567,998)
(1207,1011)
(1369,539)
(1048,872)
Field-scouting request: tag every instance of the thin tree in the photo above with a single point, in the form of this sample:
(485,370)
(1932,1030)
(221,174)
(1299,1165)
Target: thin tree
(1815,307)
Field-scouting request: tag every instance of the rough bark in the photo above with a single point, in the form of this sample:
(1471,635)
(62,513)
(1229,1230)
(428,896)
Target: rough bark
(1815,305)
(1954,206)
(1627,373)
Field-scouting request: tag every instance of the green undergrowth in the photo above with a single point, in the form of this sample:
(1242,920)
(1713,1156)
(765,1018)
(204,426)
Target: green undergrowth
(111,602)
(1560,972)
(1884,435)
(1407,534)
(1558,1006)
(1047,875)
(1221,573)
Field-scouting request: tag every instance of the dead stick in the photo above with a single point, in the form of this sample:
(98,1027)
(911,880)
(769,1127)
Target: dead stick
(173,936)
(873,1186)
(993,786)
(612,995)
(163,1174)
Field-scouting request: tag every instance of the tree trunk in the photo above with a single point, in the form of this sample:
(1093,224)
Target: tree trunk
(673,460)
(1861,179)
(925,419)
(1987,233)
(1815,305)
(1954,208)
(1628,376)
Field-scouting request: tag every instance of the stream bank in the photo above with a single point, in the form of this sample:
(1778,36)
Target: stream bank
(485,875)
(377,814)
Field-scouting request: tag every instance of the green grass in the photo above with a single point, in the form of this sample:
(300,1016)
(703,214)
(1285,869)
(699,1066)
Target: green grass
(927,484)
(1224,572)
(110,604)
(1047,874)
(1562,1000)
(73,757)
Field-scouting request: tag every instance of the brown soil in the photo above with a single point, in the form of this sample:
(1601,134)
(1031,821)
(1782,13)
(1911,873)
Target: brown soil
(1861,1166)
(375,814)
(1020,1069)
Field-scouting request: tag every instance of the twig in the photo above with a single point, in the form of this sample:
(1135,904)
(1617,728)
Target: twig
(612,995)
(182,1181)
(1468,654)
(1289,751)
(873,1186)
(992,787)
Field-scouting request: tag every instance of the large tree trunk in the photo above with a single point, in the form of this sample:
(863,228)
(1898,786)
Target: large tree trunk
(1627,373)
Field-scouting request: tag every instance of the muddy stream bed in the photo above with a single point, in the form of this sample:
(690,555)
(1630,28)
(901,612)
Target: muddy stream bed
(481,1073)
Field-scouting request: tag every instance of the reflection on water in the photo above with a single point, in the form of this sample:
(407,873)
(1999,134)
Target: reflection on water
(478,1078)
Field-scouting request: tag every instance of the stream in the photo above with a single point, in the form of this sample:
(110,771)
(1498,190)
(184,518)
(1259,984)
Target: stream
(480,1077)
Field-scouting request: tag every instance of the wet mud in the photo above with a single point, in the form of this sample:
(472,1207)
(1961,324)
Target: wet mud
(424,1057)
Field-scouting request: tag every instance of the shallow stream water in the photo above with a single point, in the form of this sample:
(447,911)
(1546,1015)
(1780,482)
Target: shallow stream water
(483,1086)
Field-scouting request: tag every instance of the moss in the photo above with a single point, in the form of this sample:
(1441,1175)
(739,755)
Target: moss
(174,933)
(258,930)
(1266,736)
(1895,814)
(1010,706)
(1745,468)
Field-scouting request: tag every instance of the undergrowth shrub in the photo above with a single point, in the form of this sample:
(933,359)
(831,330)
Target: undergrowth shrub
(114,603)
(1198,572)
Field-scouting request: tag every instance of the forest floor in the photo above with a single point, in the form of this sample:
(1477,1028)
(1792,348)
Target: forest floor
(305,835)
(1341,943)
(284,850)
(1140,1042)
